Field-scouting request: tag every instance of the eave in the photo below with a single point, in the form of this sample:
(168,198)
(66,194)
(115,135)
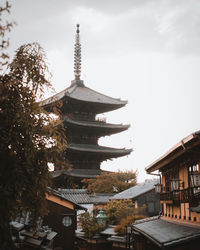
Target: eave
(181,148)
(96,127)
(97,151)
(85,96)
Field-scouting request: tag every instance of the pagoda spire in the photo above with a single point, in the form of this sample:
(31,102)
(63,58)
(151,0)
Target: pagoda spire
(77,58)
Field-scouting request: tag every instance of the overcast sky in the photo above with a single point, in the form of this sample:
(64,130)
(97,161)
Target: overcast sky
(143,51)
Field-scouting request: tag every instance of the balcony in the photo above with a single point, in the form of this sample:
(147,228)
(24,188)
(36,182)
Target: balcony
(166,196)
(170,196)
(191,194)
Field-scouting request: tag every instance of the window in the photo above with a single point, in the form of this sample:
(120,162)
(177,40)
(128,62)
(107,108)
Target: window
(194,176)
(67,221)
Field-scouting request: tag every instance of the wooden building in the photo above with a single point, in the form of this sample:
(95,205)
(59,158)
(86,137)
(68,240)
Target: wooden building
(56,231)
(80,108)
(62,218)
(179,225)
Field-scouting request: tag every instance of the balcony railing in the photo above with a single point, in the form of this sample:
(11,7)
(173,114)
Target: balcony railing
(167,196)
(170,196)
(190,194)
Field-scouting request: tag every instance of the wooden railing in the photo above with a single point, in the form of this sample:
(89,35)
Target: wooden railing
(190,194)
(165,196)
(185,195)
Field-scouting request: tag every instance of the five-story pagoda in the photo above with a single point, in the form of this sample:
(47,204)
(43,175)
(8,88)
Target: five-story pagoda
(80,106)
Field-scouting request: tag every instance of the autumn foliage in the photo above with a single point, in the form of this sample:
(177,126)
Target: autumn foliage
(89,225)
(116,210)
(111,182)
(128,221)
(29,141)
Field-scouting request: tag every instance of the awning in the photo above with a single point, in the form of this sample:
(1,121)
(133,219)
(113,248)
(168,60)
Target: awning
(165,233)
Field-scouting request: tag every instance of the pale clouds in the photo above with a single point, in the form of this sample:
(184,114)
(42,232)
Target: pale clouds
(146,51)
(153,25)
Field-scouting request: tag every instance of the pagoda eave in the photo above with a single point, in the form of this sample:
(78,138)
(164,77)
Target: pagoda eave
(83,151)
(81,98)
(96,128)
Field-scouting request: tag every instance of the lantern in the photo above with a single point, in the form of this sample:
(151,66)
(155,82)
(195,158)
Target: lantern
(158,188)
(101,218)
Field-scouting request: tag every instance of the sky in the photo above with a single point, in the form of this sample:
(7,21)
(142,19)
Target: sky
(143,51)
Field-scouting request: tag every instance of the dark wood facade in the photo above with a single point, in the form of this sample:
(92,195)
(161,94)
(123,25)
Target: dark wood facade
(62,218)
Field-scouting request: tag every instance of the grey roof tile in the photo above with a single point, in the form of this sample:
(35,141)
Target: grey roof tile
(98,149)
(83,93)
(79,196)
(165,233)
(99,198)
(135,191)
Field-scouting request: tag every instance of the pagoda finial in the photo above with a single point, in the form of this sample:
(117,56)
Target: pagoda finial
(77,55)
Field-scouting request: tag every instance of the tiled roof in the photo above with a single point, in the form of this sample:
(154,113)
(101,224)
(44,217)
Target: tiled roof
(136,191)
(100,198)
(189,143)
(59,194)
(97,124)
(84,173)
(84,94)
(98,149)
(165,233)
(79,196)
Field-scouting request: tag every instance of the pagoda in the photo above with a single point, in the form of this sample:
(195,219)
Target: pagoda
(80,106)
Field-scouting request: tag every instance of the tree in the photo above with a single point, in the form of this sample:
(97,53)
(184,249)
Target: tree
(116,210)
(29,139)
(89,225)
(111,182)
(5,27)
(128,221)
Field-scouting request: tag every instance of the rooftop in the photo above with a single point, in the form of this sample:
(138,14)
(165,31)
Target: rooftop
(96,124)
(98,149)
(176,151)
(79,196)
(84,94)
(136,191)
(164,233)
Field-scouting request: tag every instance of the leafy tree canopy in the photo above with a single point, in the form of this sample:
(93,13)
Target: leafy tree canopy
(116,210)
(111,182)
(89,225)
(128,221)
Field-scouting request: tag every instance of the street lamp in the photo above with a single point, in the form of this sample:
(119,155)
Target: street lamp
(128,236)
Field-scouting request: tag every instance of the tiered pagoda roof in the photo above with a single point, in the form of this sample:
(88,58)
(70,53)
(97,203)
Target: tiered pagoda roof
(80,98)
(80,105)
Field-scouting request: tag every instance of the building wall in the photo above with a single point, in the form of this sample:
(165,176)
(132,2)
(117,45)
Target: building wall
(152,202)
(66,235)
(179,209)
